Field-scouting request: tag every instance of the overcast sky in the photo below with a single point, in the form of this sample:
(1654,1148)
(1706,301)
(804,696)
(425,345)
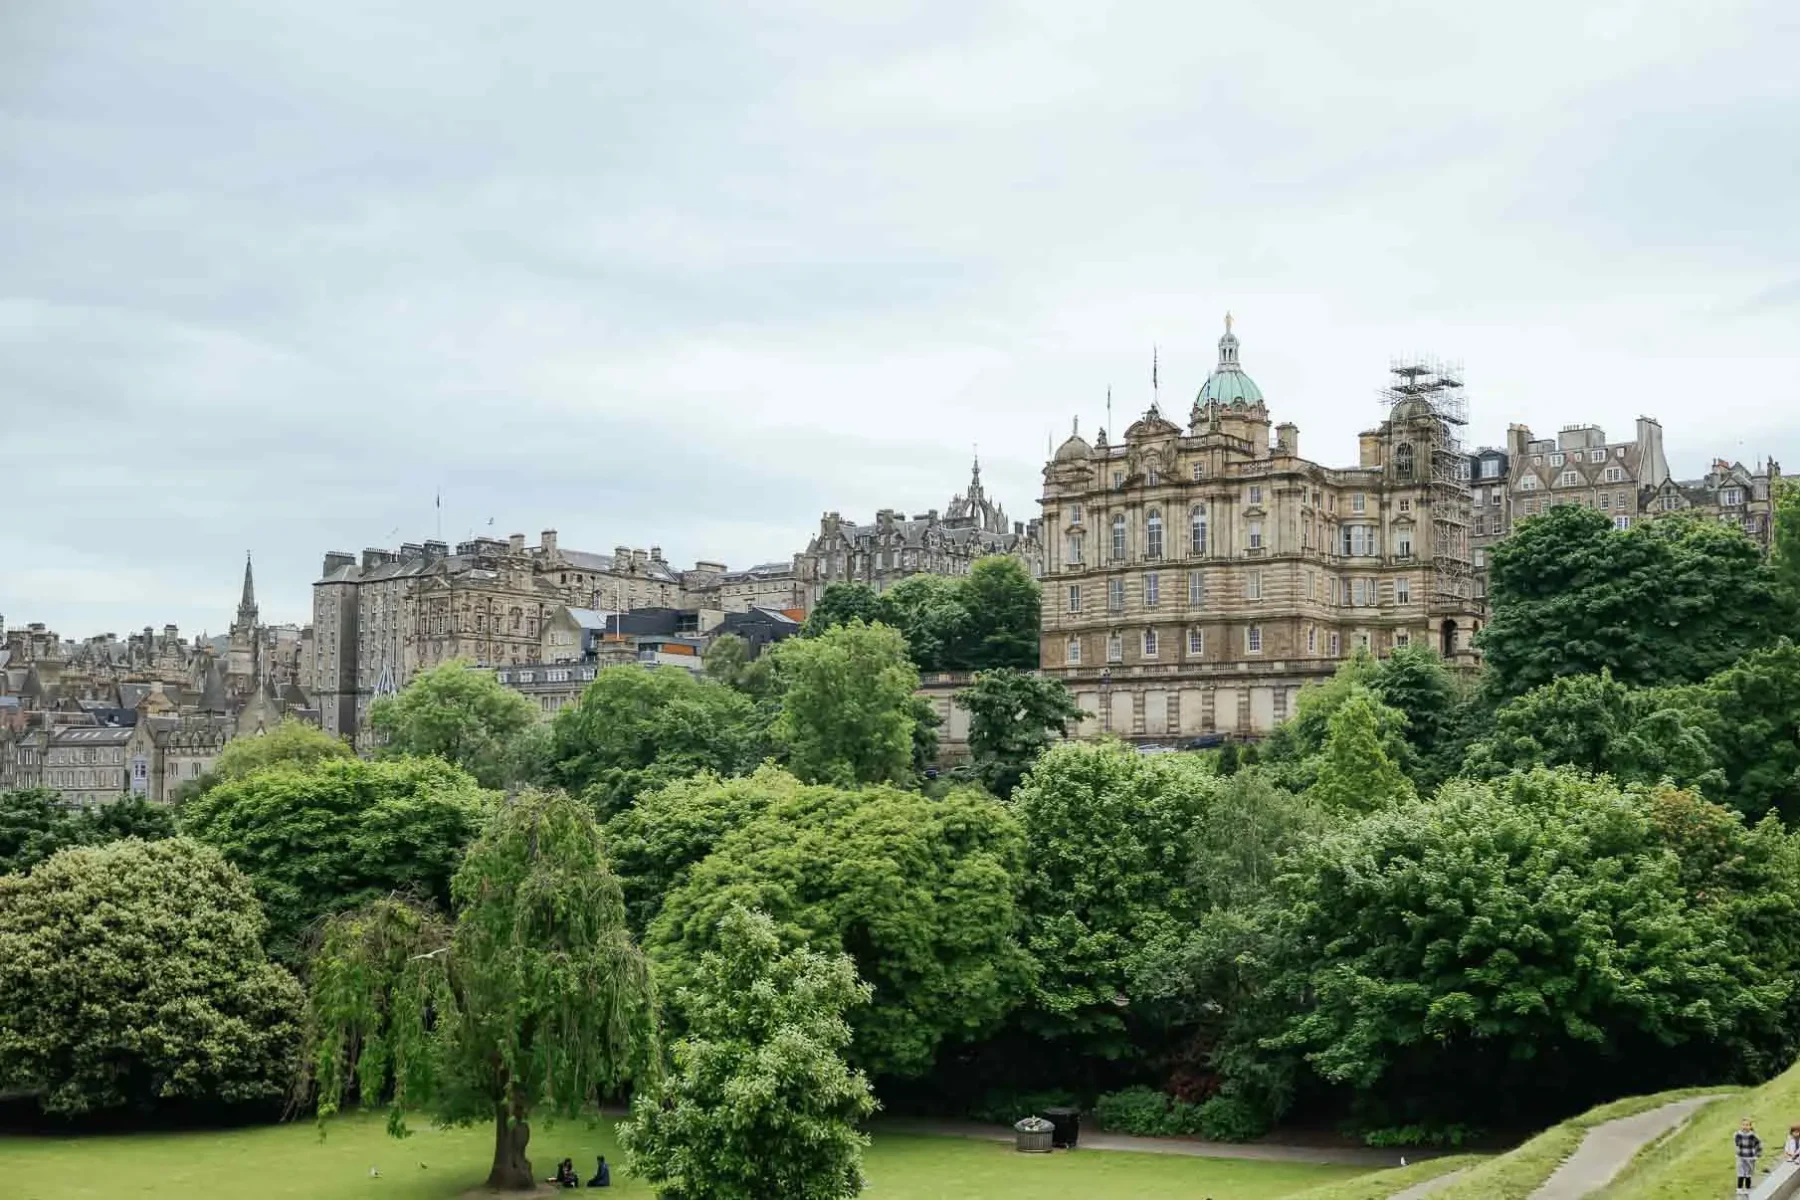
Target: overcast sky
(274,276)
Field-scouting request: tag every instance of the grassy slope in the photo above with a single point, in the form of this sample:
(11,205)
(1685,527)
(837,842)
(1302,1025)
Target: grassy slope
(1695,1164)
(1382,1184)
(1516,1174)
(289,1162)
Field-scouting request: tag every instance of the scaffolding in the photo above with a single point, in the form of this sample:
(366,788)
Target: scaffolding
(1428,394)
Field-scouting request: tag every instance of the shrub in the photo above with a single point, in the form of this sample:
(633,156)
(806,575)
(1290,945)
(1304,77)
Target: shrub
(1231,1119)
(1000,1106)
(1421,1135)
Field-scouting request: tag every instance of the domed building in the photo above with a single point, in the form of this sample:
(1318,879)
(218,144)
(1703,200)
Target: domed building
(1195,579)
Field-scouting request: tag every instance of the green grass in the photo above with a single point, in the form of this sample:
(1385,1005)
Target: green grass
(1516,1174)
(1695,1163)
(289,1162)
(1382,1184)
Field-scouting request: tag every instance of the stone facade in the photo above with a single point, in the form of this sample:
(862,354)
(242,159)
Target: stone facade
(1729,492)
(892,547)
(1197,578)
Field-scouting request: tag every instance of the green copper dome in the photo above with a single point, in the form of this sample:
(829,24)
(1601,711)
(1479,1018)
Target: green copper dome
(1228,385)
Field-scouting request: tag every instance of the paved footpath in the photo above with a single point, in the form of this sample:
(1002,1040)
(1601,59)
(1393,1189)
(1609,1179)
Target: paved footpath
(1419,1191)
(1606,1149)
(1355,1156)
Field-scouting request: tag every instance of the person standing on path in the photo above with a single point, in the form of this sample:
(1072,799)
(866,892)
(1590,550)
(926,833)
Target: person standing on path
(1749,1149)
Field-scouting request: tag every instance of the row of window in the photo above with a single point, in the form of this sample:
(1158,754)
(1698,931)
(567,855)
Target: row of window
(82,779)
(1151,640)
(1358,592)
(1559,457)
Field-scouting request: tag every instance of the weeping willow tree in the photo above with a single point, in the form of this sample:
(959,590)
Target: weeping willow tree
(533,1000)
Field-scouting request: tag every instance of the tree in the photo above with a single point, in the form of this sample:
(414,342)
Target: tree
(1014,716)
(1785,553)
(918,891)
(847,713)
(636,728)
(35,823)
(133,974)
(1003,603)
(291,741)
(760,1102)
(1536,934)
(464,716)
(1667,601)
(1594,722)
(1354,772)
(1414,682)
(1108,870)
(931,613)
(1296,746)
(1750,715)
(731,661)
(841,604)
(535,1001)
(336,835)
(657,841)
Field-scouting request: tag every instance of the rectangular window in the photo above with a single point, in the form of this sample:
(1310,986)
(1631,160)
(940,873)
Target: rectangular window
(1074,514)
(1605,500)
(1402,590)
(1118,480)
(1358,502)
(1490,467)
(1255,494)
(1115,595)
(1481,558)
(1569,479)
(1403,546)
(1118,538)
(1256,535)
(1253,639)
(1149,643)
(1199,471)
(1073,654)
(1152,589)
(1075,597)
(1402,640)
(1731,497)
(1556,460)
(1480,528)
(1115,648)
(1152,478)
(1528,483)
(1196,643)
(1253,586)
(1335,645)
(1359,596)
(1597,455)
(1196,590)
(1312,639)
(1621,522)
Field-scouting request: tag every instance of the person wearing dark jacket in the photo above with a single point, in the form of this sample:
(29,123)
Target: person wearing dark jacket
(602,1175)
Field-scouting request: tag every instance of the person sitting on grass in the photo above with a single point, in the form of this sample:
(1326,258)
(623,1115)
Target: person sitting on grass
(565,1174)
(602,1175)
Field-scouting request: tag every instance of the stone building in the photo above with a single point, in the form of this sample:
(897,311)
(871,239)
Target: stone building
(1729,492)
(1196,578)
(380,620)
(893,546)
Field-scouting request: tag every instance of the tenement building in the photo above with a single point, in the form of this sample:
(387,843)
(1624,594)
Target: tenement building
(1196,578)
(893,546)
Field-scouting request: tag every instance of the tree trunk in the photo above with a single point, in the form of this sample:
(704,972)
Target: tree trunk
(512,1170)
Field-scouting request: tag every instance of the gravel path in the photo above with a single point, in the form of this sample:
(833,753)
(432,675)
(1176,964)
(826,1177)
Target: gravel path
(1606,1149)
(1355,1156)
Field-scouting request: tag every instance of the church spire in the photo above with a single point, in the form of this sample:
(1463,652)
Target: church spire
(247,604)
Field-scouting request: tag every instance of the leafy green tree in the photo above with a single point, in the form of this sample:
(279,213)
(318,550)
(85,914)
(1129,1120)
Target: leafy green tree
(1014,716)
(35,823)
(760,1102)
(133,975)
(1108,870)
(1004,604)
(847,711)
(655,843)
(920,892)
(1667,601)
(1354,772)
(1636,735)
(843,603)
(1535,934)
(1785,552)
(1750,714)
(534,1001)
(291,742)
(931,614)
(1414,681)
(636,728)
(464,716)
(729,661)
(336,835)
(1296,746)
(925,723)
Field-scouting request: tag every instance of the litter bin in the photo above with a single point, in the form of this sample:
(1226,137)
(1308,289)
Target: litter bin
(1032,1135)
(1067,1126)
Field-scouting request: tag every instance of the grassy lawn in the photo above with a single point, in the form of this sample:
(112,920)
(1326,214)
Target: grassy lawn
(1695,1163)
(289,1162)
(1379,1185)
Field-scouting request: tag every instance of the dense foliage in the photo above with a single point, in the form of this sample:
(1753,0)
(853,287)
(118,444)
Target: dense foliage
(634,730)
(919,892)
(133,975)
(35,823)
(981,621)
(290,742)
(1014,716)
(321,839)
(1353,771)
(464,716)
(847,713)
(760,1102)
(535,1000)
(1666,601)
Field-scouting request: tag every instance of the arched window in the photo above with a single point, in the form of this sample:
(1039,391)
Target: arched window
(1403,461)
(1197,531)
(1118,536)
(1153,533)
